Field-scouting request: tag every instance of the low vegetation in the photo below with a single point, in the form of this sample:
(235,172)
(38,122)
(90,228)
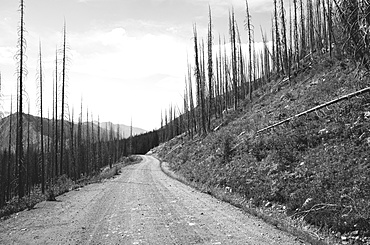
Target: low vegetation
(316,167)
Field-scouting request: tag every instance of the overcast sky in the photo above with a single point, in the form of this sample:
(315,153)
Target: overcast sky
(127,57)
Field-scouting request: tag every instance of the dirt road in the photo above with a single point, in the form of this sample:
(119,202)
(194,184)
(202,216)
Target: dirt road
(141,206)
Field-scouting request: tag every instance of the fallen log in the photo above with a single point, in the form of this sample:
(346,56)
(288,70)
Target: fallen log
(365,90)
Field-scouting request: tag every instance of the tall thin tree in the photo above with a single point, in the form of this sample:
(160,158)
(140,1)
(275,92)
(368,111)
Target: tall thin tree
(284,39)
(234,58)
(64,61)
(210,71)
(248,26)
(41,122)
(56,116)
(277,38)
(303,31)
(296,36)
(8,192)
(21,74)
(200,90)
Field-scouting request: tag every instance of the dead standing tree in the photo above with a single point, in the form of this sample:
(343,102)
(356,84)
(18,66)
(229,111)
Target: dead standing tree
(210,72)
(40,83)
(200,89)
(249,28)
(21,74)
(233,58)
(64,61)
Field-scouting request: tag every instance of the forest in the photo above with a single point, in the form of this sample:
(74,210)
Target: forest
(38,153)
(224,82)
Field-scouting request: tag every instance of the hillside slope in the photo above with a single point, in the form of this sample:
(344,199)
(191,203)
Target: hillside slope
(315,168)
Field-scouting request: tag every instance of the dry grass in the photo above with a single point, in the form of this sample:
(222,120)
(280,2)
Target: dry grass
(317,167)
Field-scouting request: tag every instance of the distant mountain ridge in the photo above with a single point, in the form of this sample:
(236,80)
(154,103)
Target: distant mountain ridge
(33,123)
(123,130)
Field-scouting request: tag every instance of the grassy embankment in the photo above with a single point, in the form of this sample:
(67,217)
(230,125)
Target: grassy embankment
(315,169)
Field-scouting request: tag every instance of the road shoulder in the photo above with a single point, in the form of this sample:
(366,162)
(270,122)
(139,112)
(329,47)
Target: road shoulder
(302,233)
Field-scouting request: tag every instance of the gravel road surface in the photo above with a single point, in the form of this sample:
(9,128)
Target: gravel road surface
(140,206)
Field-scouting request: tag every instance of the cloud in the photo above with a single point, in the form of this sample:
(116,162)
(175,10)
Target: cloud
(255,5)
(118,55)
(7,55)
(141,98)
(117,58)
(114,37)
(129,68)
(85,1)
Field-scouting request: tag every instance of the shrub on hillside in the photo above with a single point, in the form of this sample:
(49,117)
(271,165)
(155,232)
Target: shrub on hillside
(62,185)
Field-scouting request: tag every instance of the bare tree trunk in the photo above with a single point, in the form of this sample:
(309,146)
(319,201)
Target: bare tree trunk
(324,26)
(72,147)
(296,36)
(277,37)
(241,73)
(42,127)
(48,161)
(310,25)
(226,79)
(63,100)
(56,116)
(80,145)
(290,49)
(330,26)
(131,137)
(200,90)
(99,145)
(274,53)
(250,41)
(284,39)
(220,79)
(203,89)
(8,192)
(233,58)
(94,166)
(186,109)
(319,43)
(210,71)
(21,77)
(303,31)
(87,160)
(217,89)
(29,176)
(192,109)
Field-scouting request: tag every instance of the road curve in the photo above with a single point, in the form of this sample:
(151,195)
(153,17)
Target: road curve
(141,206)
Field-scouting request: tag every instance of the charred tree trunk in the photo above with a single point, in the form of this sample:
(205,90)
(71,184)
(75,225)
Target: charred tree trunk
(63,101)
(41,126)
(210,72)
(21,77)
